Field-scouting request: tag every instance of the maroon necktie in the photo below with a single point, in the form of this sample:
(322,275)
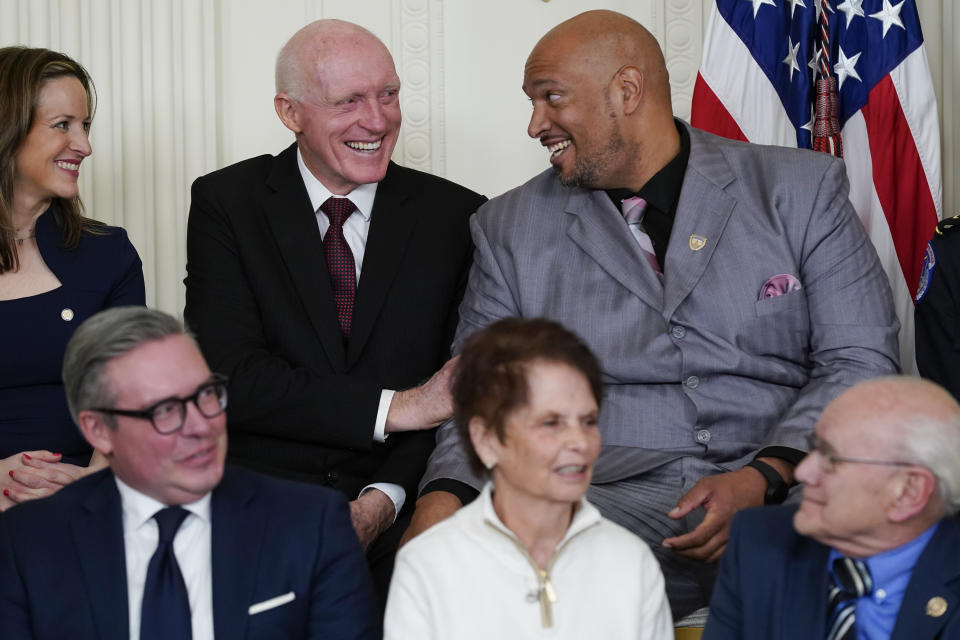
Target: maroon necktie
(343,271)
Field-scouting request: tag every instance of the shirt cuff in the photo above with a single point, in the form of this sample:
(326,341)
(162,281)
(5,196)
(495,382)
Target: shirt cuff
(380,426)
(394,491)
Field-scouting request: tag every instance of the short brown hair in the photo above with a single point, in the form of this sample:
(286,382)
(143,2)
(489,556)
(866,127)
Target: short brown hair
(491,379)
(23,72)
(101,339)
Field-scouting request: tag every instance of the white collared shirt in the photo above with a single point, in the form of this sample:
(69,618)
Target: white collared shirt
(191,546)
(355,231)
(357,226)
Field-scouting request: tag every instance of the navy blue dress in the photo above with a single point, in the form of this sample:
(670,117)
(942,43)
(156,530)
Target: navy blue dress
(103,271)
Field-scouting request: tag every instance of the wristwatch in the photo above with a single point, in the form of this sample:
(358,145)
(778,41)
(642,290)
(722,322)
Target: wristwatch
(776,491)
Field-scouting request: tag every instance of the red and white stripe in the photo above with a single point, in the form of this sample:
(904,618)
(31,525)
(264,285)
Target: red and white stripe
(891,149)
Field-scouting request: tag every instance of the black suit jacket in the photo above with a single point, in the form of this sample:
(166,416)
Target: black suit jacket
(302,403)
(63,570)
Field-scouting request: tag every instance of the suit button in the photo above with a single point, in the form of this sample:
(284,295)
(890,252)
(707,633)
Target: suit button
(333,478)
(703,436)
(678,332)
(692,382)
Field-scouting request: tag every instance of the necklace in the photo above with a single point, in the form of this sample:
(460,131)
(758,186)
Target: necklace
(20,239)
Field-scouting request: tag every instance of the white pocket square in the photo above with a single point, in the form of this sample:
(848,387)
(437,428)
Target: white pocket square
(272,603)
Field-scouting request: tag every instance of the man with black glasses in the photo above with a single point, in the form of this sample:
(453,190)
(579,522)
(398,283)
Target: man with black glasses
(873,551)
(166,543)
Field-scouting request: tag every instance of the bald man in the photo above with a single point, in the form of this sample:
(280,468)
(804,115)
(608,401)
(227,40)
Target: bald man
(728,289)
(880,497)
(326,278)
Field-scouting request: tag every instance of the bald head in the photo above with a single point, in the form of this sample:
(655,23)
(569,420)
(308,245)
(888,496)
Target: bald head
(896,404)
(915,420)
(604,41)
(304,58)
(601,97)
(338,92)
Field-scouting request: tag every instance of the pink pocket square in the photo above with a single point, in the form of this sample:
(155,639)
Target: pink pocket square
(779,285)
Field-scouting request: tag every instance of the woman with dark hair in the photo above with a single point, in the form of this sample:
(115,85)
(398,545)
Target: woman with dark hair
(57,267)
(530,556)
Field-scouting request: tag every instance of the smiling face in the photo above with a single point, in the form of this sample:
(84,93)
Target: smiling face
(573,115)
(550,444)
(177,468)
(848,507)
(47,164)
(348,121)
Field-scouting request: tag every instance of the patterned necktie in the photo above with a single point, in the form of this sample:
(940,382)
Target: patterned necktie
(165,612)
(340,264)
(632,210)
(852,581)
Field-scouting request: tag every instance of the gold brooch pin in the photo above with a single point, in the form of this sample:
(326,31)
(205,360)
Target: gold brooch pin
(936,607)
(697,242)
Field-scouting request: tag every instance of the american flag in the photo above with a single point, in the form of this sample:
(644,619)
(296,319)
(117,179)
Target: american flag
(761,59)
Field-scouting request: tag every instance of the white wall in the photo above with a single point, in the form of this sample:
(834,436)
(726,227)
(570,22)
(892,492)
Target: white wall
(186,86)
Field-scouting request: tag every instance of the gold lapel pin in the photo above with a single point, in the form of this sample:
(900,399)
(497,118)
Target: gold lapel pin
(67,315)
(936,607)
(697,242)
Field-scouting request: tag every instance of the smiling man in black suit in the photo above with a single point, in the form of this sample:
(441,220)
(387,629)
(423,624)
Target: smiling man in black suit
(325,282)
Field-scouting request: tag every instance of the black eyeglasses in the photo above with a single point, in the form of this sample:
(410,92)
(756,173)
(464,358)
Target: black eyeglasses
(828,461)
(167,416)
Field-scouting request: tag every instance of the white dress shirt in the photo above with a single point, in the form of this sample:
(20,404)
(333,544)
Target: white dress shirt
(355,230)
(191,546)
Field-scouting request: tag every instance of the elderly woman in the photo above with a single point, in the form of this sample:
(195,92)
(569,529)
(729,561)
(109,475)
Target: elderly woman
(56,266)
(530,557)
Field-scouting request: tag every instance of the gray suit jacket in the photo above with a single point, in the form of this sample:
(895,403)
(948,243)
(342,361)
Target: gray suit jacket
(700,365)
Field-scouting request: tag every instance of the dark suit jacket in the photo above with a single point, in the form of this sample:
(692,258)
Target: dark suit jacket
(303,404)
(102,271)
(937,312)
(773,583)
(63,575)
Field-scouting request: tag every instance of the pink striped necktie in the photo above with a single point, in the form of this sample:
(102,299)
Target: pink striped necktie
(340,264)
(632,209)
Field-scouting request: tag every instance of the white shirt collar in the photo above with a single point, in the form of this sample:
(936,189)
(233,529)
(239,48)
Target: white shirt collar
(584,516)
(362,196)
(139,508)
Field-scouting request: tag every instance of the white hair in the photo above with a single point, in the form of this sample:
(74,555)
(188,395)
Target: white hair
(305,47)
(935,444)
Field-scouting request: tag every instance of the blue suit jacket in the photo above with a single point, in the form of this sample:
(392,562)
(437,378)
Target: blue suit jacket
(773,583)
(62,564)
(102,271)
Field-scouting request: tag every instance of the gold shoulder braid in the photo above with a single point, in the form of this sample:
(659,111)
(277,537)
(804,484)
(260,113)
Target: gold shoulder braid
(948,224)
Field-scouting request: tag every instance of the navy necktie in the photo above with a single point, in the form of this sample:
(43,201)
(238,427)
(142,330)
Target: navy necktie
(165,613)
(340,264)
(849,581)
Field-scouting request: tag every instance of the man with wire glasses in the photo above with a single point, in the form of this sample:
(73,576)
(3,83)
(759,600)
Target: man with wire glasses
(873,550)
(166,544)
